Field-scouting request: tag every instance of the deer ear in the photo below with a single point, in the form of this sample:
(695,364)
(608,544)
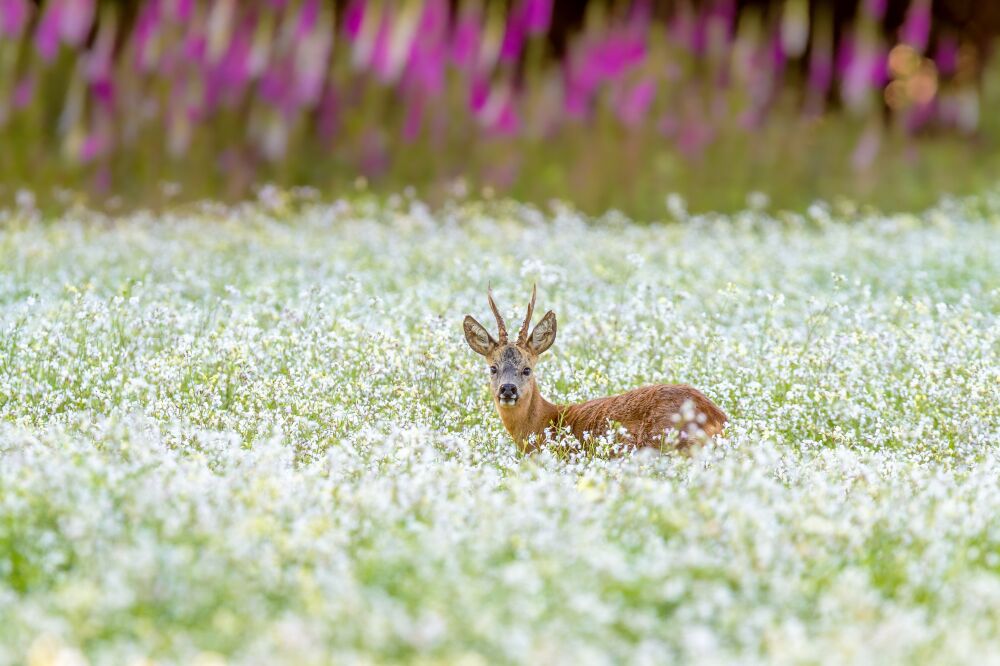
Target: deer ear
(478,337)
(544,334)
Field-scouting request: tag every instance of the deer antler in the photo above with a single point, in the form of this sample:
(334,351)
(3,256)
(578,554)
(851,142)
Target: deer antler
(522,337)
(501,327)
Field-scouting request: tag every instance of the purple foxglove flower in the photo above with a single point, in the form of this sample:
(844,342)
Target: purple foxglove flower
(75,20)
(513,37)
(329,106)
(23,92)
(465,42)
(13,17)
(311,62)
(879,67)
(103,91)
(698,37)
(694,136)
(374,153)
(92,146)
(946,56)
(867,149)
(668,125)
(919,116)
(537,16)
(425,68)
(414,118)
(308,16)
(917,26)
(845,54)
(179,10)
(354,17)
(232,72)
(434,19)
(502,176)
(857,80)
(576,100)
(681,26)
(147,25)
(274,84)
(508,122)
(777,53)
(380,62)
(194,47)
(98,67)
(102,180)
(725,10)
(876,8)
(820,70)
(47,32)
(636,102)
(479,93)
(429,50)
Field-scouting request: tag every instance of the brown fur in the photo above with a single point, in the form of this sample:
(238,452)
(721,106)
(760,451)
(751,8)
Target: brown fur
(649,413)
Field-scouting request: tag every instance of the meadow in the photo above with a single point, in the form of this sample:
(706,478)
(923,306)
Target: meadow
(254,434)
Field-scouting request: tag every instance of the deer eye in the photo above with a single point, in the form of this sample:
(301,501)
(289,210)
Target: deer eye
(526,372)
(493,369)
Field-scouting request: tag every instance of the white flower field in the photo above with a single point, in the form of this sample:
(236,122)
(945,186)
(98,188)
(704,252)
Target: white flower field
(256,435)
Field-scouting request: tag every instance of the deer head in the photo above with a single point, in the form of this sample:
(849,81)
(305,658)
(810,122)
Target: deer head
(512,365)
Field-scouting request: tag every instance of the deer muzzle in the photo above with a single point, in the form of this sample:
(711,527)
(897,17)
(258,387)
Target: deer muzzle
(507,395)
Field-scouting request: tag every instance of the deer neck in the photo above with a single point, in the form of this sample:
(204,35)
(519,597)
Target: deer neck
(528,417)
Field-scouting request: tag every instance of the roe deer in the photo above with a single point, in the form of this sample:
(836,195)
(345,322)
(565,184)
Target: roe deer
(648,413)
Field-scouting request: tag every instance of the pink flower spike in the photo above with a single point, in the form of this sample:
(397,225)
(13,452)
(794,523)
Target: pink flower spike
(311,63)
(75,20)
(47,33)
(916,28)
(23,92)
(13,17)
(102,180)
(180,10)
(354,18)
(538,16)
(946,56)
(636,102)
(414,119)
(693,138)
(479,93)
(876,8)
(147,24)
(513,37)
(668,125)
(92,146)
(880,68)
(509,122)
(820,71)
(465,41)
(329,107)
(308,16)
(867,149)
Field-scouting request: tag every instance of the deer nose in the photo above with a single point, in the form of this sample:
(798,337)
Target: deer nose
(508,391)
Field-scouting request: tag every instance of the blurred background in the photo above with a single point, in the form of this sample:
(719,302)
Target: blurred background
(609,105)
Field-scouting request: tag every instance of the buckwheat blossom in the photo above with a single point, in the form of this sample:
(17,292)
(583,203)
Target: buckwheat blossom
(257,429)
